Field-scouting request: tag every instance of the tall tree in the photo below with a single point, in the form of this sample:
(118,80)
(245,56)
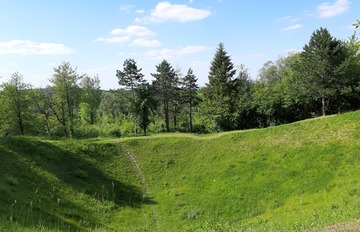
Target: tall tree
(67,96)
(14,104)
(43,102)
(144,105)
(218,93)
(131,76)
(91,97)
(165,87)
(322,66)
(189,94)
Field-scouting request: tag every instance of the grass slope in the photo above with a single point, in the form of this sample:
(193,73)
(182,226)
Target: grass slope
(301,176)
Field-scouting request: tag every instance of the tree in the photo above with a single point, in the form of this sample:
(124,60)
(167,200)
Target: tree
(66,96)
(131,77)
(189,94)
(242,95)
(219,90)
(322,66)
(165,87)
(43,102)
(90,98)
(143,105)
(14,104)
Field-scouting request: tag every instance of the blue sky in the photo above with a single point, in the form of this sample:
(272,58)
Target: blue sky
(97,36)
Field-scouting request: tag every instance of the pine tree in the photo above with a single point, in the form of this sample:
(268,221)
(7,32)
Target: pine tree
(131,77)
(189,94)
(218,93)
(165,87)
(322,65)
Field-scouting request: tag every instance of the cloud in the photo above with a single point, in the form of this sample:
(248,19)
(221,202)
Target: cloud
(173,53)
(332,9)
(288,18)
(126,8)
(27,47)
(140,11)
(294,27)
(161,54)
(133,30)
(145,43)
(192,49)
(167,12)
(119,39)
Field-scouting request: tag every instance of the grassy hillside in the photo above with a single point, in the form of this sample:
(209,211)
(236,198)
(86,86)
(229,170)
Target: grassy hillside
(301,176)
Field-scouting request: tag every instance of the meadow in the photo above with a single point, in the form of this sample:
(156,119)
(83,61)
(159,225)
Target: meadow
(303,176)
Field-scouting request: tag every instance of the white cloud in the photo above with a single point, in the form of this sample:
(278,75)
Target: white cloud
(192,49)
(332,9)
(126,8)
(173,53)
(294,27)
(145,43)
(288,18)
(120,39)
(161,54)
(133,30)
(167,12)
(140,11)
(27,47)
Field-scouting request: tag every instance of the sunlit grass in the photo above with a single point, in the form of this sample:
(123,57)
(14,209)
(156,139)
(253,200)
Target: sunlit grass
(301,176)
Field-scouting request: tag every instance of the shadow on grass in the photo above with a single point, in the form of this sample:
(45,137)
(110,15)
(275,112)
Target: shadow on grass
(35,175)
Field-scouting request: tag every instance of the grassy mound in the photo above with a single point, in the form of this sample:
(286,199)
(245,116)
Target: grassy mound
(301,176)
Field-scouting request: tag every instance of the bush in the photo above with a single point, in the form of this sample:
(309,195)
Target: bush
(114,133)
(199,129)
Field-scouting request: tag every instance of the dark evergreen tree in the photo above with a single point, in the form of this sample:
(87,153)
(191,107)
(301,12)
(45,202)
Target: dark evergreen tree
(189,94)
(144,105)
(165,88)
(322,66)
(131,77)
(218,93)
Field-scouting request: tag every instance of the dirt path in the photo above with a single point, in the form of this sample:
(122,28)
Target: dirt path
(144,184)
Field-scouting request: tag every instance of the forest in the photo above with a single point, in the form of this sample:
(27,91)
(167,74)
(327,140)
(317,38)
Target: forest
(322,79)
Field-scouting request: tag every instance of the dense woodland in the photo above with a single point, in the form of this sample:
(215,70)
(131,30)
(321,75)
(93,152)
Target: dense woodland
(324,78)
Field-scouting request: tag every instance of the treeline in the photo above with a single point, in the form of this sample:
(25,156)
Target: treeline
(324,78)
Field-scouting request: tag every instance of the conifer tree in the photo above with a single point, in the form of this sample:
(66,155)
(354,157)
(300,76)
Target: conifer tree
(165,88)
(218,93)
(189,94)
(322,66)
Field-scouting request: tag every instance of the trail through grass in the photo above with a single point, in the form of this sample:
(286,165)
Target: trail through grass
(303,176)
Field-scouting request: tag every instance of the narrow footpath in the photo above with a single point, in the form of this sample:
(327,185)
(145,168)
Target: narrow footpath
(144,184)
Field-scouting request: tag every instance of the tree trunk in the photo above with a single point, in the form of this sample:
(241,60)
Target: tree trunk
(190,118)
(166,111)
(323,105)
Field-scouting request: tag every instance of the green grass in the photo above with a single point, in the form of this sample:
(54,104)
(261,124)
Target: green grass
(296,177)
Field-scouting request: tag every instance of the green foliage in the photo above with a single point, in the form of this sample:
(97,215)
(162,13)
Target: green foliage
(66,96)
(90,99)
(218,94)
(322,66)
(189,94)
(165,85)
(131,77)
